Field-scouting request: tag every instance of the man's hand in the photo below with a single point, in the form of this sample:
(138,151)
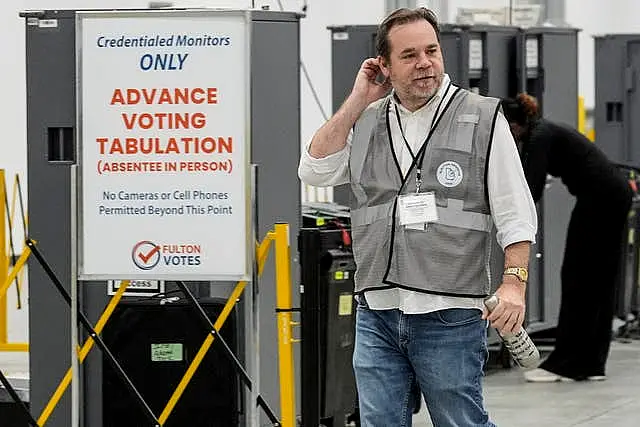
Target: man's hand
(508,315)
(366,89)
(332,136)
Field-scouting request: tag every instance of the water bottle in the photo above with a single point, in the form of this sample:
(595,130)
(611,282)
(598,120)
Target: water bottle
(522,349)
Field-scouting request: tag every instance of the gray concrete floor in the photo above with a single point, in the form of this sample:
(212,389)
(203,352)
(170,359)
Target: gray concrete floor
(512,402)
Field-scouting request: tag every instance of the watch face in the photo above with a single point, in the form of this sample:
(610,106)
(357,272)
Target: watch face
(524,275)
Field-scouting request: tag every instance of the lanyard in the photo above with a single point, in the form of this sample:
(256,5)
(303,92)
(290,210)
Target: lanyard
(421,151)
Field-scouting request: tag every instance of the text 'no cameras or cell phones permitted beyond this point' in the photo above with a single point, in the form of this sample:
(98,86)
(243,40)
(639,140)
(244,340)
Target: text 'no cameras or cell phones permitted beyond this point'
(160,204)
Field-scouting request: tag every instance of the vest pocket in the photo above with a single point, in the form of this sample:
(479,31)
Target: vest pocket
(465,131)
(371,252)
(441,259)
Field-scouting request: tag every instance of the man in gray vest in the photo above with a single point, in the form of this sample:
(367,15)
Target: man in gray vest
(432,168)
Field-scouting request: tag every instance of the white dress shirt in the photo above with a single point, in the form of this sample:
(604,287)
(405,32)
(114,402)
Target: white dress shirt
(512,207)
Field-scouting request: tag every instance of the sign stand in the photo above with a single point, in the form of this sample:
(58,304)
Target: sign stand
(254,344)
(74,337)
(164,189)
(90,330)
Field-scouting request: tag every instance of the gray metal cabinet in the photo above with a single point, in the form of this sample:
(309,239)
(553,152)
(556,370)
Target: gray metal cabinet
(617,107)
(549,71)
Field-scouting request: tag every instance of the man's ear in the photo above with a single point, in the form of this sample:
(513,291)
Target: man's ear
(384,66)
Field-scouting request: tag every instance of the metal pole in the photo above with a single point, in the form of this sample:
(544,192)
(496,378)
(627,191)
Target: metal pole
(75,366)
(253,308)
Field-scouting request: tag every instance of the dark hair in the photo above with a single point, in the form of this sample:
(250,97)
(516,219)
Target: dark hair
(522,110)
(400,17)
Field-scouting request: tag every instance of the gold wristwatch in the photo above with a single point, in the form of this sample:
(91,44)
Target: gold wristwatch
(520,272)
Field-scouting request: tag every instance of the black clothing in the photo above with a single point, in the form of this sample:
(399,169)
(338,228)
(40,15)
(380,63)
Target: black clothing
(593,243)
(563,152)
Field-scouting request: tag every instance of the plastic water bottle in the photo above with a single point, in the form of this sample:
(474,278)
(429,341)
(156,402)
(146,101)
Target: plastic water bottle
(523,351)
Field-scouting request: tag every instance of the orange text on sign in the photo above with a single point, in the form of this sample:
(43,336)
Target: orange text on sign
(155,145)
(133,96)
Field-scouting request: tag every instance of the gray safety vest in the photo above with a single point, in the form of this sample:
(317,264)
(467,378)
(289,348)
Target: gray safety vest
(450,257)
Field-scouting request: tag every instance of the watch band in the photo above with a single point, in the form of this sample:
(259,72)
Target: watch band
(520,272)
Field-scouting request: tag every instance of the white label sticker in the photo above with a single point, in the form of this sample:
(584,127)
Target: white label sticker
(48,23)
(475,54)
(341,35)
(532,53)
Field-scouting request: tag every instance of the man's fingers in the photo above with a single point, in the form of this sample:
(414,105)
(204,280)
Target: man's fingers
(499,322)
(371,65)
(510,324)
(496,313)
(519,322)
(370,73)
(372,62)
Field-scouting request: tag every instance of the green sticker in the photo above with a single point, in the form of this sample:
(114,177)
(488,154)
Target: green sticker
(345,304)
(339,275)
(166,352)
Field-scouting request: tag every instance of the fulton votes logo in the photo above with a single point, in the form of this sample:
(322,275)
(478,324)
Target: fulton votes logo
(449,174)
(146,255)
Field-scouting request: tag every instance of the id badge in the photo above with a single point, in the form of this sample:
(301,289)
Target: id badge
(417,208)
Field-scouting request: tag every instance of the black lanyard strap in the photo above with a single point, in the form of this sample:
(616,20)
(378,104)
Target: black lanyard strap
(435,118)
(418,158)
(406,143)
(421,150)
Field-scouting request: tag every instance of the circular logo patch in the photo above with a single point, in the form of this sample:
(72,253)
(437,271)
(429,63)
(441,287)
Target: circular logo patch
(449,174)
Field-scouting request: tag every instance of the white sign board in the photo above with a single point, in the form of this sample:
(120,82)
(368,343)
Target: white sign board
(163,119)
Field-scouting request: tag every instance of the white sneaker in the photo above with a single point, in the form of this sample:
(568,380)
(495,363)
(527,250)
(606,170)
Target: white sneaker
(542,376)
(539,375)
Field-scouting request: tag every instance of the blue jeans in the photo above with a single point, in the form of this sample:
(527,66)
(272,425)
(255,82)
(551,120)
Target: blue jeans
(442,352)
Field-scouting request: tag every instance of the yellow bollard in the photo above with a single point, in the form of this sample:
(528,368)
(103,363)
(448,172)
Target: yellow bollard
(283,313)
